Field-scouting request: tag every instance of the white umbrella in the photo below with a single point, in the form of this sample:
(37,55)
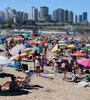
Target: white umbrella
(3,61)
(16,49)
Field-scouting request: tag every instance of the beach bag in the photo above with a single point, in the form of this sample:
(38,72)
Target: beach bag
(24,67)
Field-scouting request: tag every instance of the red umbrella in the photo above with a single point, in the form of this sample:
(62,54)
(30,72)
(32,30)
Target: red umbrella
(43,41)
(19,37)
(31,42)
(78,54)
(53,41)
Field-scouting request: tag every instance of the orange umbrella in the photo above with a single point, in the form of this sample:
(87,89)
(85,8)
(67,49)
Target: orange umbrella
(63,39)
(78,54)
(31,42)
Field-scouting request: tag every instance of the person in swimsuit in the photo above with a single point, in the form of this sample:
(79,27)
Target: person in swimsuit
(18,61)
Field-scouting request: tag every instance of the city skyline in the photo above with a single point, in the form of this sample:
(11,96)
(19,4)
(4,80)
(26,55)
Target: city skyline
(76,6)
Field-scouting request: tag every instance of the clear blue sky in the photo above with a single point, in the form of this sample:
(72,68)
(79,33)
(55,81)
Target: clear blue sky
(77,6)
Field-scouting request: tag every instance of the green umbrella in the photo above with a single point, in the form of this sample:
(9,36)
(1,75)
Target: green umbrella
(84,49)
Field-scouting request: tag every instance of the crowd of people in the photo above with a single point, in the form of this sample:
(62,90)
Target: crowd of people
(59,62)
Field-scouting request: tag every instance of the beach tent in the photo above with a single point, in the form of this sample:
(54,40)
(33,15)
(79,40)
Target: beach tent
(55,48)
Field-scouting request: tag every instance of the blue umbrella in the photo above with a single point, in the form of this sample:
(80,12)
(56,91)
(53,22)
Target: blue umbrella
(68,36)
(49,41)
(66,40)
(27,41)
(28,46)
(77,42)
(36,48)
(2,38)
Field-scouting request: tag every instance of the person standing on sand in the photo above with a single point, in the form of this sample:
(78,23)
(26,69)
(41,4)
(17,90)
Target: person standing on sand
(37,64)
(63,66)
(18,61)
(42,62)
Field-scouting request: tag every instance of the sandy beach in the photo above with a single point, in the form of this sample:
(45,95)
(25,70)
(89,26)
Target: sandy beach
(45,87)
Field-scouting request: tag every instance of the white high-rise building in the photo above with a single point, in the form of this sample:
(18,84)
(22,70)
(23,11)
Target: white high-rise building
(9,14)
(33,14)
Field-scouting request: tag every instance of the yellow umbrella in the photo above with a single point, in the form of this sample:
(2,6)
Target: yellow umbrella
(71,46)
(27,50)
(69,38)
(55,48)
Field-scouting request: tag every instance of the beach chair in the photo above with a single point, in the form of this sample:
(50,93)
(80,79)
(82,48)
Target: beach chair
(81,77)
(27,82)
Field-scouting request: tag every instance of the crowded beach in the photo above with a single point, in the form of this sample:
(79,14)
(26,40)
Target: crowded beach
(51,63)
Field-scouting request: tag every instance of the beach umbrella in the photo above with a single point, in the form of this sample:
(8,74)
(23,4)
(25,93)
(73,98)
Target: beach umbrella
(3,38)
(49,41)
(3,61)
(53,41)
(27,50)
(88,45)
(16,49)
(19,37)
(35,48)
(55,48)
(43,41)
(78,54)
(1,42)
(31,42)
(71,46)
(77,42)
(27,41)
(66,40)
(63,39)
(68,37)
(38,42)
(84,49)
(84,62)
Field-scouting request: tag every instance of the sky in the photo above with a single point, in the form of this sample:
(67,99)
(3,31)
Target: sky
(77,6)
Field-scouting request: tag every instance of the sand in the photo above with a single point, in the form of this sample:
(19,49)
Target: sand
(46,88)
